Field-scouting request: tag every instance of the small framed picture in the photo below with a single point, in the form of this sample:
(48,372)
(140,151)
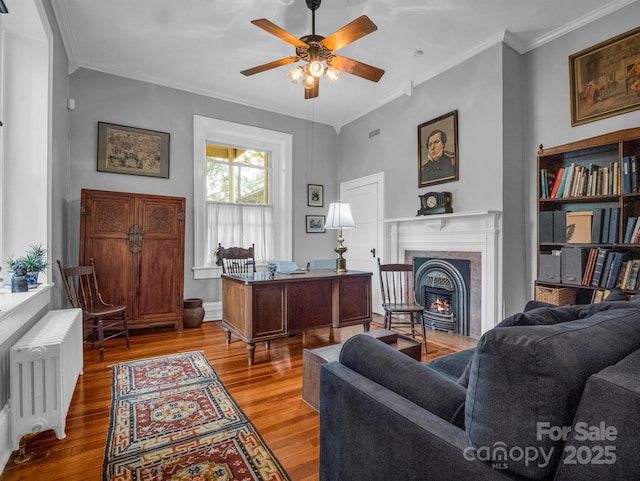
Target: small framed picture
(315,195)
(438,150)
(130,150)
(315,224)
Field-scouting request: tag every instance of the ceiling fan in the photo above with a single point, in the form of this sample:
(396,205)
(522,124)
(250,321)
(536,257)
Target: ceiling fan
(317,51)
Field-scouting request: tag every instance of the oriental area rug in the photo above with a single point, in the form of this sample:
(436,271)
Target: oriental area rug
(173,419)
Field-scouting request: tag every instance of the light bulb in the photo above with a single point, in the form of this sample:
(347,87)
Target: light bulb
(309,82)
(331,74)
(296,74)
(315,68)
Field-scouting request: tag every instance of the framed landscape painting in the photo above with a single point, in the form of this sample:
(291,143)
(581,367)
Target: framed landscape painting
(438,150)
(605,78)
(130,150)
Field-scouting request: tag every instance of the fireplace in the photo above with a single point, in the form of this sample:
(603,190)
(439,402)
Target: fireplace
(443,288)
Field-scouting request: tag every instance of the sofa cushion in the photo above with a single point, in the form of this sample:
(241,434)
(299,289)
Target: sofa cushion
(405,376)
(526,375)
(453,365)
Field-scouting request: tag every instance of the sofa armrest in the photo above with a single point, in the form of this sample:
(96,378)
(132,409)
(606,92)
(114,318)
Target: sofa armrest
(368,432)
(611,401)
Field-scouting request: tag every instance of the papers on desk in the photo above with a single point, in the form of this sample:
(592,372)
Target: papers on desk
(285,267)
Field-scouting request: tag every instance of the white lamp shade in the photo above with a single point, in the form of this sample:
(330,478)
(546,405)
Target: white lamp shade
(339,216)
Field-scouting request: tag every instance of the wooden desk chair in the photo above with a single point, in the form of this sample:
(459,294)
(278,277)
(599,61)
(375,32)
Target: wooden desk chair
(98,317)
(236,260)
(398,297)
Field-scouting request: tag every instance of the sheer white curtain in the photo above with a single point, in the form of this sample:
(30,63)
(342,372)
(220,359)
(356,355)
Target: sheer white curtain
(235,225)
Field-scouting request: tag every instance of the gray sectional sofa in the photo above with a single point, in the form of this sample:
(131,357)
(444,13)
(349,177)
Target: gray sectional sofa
(550,393)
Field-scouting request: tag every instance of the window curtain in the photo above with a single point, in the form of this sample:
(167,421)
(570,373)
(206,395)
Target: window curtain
(234,225)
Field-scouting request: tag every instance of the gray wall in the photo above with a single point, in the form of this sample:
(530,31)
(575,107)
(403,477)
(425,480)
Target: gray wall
(118,100)
(60,143)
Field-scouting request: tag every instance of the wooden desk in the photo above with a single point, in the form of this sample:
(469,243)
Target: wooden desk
(259,306)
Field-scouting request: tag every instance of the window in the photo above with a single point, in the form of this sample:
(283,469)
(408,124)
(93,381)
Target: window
(242,192)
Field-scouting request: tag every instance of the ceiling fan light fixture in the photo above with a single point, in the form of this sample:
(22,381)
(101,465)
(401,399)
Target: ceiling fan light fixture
(316,68)
(296,74)
(331,74)
(309,81)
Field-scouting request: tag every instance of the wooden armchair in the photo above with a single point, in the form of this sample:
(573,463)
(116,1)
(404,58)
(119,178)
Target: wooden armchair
(98,317)
(236,260)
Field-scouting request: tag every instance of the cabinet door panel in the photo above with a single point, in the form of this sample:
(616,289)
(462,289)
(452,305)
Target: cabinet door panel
(104,230)
(161,265)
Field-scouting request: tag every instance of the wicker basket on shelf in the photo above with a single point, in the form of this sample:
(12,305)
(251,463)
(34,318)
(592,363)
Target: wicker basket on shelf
(559,296)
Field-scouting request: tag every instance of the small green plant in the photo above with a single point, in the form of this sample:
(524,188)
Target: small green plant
(34,259)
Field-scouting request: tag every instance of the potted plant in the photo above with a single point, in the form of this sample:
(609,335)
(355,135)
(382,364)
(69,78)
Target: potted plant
(34,259)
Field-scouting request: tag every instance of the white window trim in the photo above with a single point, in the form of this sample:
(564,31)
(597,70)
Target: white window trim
(280,145)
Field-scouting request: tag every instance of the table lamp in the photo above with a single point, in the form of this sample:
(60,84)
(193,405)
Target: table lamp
(339,217)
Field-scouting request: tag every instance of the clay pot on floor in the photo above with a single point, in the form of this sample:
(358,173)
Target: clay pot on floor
(193,313)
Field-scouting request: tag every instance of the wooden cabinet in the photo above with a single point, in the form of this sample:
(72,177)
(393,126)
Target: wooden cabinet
(137,241)
(588,209)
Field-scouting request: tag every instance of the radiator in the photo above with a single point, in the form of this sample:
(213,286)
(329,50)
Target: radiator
(45,365)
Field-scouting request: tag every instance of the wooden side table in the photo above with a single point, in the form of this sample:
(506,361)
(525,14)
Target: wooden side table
(312,359)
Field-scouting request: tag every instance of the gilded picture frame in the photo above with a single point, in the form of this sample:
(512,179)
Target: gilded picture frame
(131,150)
(605,78)
(438,150)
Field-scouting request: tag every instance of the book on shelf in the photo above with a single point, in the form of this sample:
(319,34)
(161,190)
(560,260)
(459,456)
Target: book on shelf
(614,221)
(597,271)
(556,184)
(591,263)
(616,267)
(606,268)
(599,295)
(606,216)
(634,173)
(626,175)
(628,232)
(596,226)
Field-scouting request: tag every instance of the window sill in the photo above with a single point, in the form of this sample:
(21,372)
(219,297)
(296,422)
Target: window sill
(206,272)
(12,305)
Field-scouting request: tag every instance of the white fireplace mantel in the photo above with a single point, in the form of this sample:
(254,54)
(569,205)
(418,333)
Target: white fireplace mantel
(479,231)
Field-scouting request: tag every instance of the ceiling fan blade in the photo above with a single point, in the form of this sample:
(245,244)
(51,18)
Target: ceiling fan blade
(282,34)
(270,65)
(314,91)
(354,67)
(351,32)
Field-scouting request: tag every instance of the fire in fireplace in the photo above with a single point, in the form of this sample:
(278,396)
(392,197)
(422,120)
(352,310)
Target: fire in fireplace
(442,287)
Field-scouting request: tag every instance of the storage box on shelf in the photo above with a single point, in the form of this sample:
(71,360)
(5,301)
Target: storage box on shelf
(589,216)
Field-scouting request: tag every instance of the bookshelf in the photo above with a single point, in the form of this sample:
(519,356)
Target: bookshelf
(588,215)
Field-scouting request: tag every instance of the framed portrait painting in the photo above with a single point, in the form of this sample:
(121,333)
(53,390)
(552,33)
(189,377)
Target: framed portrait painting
(438,150)
(605,78)
(130,150)
(315,195)
(315,224)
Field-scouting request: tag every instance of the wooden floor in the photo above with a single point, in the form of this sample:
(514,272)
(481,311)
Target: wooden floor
(269,392)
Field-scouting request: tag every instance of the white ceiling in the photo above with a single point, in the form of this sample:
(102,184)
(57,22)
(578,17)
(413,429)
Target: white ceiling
(202,45)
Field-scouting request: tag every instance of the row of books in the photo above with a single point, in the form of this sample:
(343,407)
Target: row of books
(630,174)
(576,180)
(607,268)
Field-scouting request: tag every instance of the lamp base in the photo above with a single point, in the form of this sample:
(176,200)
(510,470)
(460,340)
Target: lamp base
(341,265)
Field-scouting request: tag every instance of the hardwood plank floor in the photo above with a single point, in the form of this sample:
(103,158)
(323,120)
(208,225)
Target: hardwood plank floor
(269,392)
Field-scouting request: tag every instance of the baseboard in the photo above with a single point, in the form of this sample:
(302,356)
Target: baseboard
(5,436)
(212,311)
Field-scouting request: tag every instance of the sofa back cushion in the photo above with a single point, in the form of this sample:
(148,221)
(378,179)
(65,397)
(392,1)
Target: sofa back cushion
(525,379)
